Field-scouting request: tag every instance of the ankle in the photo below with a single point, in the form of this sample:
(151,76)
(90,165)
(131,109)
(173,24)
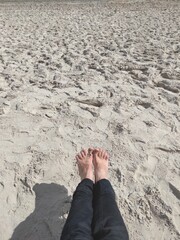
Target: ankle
(100,177)
(88,176)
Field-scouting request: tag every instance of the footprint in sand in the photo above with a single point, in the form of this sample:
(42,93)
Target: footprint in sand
(146,170)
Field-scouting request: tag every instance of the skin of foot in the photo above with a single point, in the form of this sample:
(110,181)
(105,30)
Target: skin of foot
(100,161)
(85,164)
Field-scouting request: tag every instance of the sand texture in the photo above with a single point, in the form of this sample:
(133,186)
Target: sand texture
(79,74)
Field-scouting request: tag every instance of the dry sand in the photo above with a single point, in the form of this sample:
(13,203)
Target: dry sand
(79,74)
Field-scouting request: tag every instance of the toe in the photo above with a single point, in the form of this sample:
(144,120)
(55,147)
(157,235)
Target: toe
(90,151)
(84,152)
(104,154)
(79,156)
(95,151)
(100,153)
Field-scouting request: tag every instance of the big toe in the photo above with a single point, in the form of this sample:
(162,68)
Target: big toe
(90,151)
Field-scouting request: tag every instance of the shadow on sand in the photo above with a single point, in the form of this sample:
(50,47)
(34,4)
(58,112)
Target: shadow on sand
(52,201)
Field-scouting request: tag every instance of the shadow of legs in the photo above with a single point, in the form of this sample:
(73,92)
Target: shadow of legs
(51,202)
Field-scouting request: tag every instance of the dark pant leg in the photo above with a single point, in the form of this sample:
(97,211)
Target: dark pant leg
(78,224)
(107,221)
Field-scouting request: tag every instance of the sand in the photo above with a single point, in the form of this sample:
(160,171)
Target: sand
(89,73)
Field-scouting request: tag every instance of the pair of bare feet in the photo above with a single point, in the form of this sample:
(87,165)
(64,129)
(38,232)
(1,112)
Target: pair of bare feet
(93,158)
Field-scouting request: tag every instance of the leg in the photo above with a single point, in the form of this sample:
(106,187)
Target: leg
(107,220)
(78,224)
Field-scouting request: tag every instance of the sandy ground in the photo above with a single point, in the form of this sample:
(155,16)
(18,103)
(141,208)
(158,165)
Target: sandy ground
(79,74)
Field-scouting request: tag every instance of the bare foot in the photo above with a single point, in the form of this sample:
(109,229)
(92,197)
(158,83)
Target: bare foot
(100,161)
(85,165)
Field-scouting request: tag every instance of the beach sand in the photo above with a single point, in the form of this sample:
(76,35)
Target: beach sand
(89,74)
